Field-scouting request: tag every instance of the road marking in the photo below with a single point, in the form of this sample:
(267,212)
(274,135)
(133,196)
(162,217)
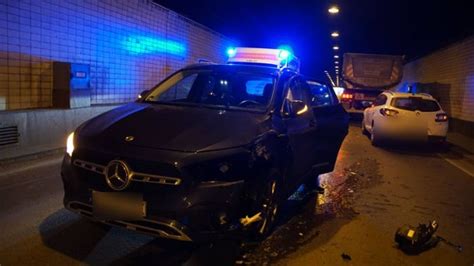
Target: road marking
(458,165)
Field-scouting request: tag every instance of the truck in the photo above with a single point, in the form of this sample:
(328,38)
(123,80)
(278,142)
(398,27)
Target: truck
(367,75)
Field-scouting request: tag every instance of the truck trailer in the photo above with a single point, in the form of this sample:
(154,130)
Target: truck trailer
(367,75)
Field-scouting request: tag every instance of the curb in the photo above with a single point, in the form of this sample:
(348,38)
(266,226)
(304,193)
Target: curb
(34,156)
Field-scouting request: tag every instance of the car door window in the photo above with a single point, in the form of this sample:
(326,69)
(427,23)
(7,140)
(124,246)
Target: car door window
(295,92)
(380,100)
(321,95)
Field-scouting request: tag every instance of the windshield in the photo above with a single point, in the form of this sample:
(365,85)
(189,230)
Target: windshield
(216,88)
(416,103)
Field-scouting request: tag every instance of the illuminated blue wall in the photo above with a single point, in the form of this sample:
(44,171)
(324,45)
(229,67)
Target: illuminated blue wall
(130,45)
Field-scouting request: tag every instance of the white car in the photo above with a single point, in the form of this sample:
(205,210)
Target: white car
(397,115)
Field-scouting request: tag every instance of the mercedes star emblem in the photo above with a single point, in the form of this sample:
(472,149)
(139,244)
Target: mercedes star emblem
(117,174)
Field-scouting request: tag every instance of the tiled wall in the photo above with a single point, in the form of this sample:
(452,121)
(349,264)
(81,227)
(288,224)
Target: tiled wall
(130,45)
(448,74)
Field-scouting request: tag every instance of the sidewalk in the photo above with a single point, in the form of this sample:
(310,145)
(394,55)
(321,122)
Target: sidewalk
(461,141)
(461,153)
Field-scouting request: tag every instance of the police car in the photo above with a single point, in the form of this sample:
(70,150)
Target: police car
(212,149)
(406,116)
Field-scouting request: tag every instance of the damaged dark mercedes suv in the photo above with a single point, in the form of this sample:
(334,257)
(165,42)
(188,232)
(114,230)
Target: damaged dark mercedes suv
(210,150)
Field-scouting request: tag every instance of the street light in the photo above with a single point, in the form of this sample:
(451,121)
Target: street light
(333,10)
(335,47)
(335,34)
(336,56)
(336,62)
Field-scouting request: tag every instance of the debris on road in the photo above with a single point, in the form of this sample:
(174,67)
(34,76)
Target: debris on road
(414,240)
(451,244)
(345,256)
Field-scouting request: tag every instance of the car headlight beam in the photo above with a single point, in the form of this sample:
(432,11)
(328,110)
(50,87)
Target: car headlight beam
(70,144)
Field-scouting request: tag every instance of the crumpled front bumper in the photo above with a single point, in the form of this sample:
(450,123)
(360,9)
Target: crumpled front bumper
(188,212)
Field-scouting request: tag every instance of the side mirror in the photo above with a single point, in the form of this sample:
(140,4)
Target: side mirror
(143,94)
(295,108)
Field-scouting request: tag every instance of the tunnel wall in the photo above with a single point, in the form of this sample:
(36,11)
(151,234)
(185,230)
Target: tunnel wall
(44,129)
(130,45)
(447,74)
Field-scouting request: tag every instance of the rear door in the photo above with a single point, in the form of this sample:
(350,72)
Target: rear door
(330,122)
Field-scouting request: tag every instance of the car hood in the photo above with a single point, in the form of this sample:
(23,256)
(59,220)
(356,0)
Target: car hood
(177,128)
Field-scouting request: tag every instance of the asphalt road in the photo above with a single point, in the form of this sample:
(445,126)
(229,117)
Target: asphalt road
(371,193)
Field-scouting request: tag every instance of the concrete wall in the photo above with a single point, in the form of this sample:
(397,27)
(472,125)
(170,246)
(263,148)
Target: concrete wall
(42,130)
(130,45)
(448,74)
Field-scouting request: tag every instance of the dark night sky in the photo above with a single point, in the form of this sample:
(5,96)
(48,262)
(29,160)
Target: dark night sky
(406,27)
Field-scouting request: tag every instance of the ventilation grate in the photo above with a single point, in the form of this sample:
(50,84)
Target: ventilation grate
(8,135)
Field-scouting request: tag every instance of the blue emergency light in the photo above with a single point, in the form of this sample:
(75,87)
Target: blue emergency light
(281,57)
(231,51)
(284,55)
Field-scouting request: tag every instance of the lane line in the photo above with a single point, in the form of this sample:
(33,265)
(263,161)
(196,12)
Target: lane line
(457,165)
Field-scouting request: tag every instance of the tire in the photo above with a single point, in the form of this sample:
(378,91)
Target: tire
(441,145)
(375,139)
(268,204)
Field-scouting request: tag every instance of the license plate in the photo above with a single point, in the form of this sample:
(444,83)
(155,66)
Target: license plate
(118,205)
(358,96)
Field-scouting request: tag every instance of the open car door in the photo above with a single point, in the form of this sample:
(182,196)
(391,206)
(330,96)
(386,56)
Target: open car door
(331,123)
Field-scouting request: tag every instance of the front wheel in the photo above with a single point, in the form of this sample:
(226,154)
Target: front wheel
(268,206)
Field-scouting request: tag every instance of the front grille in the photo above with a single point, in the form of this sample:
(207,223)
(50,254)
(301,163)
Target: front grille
(134,176)
(97,168)
(9,135)
(138,165)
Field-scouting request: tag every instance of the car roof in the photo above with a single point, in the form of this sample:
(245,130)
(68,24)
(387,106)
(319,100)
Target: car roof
(257,68)
(406,94)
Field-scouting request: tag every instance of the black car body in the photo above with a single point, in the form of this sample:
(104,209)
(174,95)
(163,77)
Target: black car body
(193,166)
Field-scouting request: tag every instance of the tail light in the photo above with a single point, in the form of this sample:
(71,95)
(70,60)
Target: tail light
(347,96)
(441,117)
(388,112)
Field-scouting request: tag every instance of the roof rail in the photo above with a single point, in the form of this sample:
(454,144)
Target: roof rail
(425,94)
